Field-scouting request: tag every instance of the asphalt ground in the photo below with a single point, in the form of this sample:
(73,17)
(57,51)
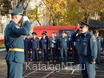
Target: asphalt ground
(47,70)
(54,73)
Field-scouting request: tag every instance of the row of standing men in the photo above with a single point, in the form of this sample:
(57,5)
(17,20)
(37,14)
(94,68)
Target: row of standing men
(47,46)
(55,48)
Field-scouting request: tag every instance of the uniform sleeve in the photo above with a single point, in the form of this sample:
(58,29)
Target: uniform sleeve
(102,43)
(38,43)
(68,42)
(22,31)
(48,42)
(93,46)
(58,42)
(6,46)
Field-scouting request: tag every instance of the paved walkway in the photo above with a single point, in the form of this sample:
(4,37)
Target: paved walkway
(30,70)
(66,73)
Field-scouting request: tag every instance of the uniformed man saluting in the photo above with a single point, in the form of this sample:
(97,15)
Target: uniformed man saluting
(87,50)
(14,43)
(44,45)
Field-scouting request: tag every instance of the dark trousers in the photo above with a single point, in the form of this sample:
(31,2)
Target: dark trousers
(64,55)
(98,60)
(53,55)
(88,70)
(45,54)
(34,54)
(15,70)
(75,55)
(26,54)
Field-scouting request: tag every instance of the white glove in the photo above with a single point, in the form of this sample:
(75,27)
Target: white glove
(25,18)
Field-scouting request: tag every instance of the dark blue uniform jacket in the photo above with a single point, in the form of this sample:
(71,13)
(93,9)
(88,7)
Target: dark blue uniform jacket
(13,39)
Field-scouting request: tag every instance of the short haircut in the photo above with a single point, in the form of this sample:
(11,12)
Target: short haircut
(54,33)
(64,32)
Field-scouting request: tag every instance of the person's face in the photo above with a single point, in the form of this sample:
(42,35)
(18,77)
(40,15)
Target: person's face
(97,34)
(28,36)
(44,35)
(84,29)
(34,35)
(63,34)
(53,34)
(18,18)
(66,34)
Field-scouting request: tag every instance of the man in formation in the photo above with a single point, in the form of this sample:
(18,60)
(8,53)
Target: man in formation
(35,46)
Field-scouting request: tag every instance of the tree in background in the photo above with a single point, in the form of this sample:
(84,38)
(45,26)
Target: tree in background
(60,12)
(55,10)
(5,6)
(34,15)
(70,12)
(72,15)
(90,8)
